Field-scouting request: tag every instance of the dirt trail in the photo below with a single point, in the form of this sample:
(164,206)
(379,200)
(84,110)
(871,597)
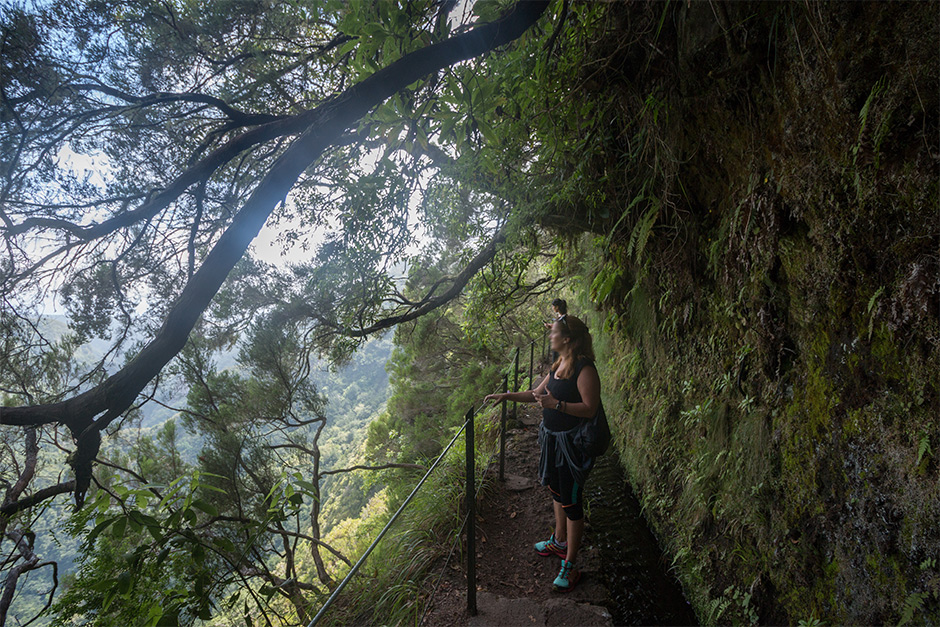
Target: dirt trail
(514,584)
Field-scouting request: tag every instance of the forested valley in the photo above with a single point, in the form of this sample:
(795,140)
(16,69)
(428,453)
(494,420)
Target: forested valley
(260,257)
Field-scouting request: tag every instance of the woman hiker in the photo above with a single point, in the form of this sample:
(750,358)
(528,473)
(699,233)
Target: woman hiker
(570,393)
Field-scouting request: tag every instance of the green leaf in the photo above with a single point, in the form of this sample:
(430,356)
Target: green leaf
(120,524)
(346,47)
(225,544)
(307,486)
(104,585)
(100,527)
(208,508)
(124,582)
(874,298)
(912,604)
(487,131)
(161,557)
(267,591)
(155,614)
(923,448)
(102,501)
(206,486)
(641,231)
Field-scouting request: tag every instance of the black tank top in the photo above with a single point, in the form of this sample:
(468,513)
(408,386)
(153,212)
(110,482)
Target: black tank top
(564,390)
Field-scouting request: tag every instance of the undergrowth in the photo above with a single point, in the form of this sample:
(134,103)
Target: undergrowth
(396,583)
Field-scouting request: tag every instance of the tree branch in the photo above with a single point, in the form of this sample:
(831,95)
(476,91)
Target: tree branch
(382,467)
(29,469)
(327,123)
(10,509)
(239,117)
(430,304)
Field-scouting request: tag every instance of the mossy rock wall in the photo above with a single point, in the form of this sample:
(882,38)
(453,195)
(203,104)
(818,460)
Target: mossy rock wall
(770,345)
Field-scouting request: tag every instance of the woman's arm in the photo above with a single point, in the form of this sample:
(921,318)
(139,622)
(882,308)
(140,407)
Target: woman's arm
(589,386)
(527,396)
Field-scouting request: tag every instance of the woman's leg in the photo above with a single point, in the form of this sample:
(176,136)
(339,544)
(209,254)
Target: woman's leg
(572,497)
(561,523)
(575,533)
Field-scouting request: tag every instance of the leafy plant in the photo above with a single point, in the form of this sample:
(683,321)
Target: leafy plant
(924,451)
(912,604)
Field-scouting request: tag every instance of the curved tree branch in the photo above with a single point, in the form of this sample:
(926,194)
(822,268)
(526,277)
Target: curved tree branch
(239,117)
(325,126)
(9,509)
(382,467)
(430,304)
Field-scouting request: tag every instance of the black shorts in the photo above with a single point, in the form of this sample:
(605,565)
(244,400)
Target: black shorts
(567,491)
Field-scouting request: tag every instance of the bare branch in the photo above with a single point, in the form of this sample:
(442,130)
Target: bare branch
(382,467)
(430,304)
(29,469)
(9,509)
(239,117)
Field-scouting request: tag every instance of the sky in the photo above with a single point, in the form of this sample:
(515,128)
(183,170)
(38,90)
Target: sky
(268,245)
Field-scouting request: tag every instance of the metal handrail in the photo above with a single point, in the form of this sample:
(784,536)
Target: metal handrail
(468,426)
(459,533)
(382,533)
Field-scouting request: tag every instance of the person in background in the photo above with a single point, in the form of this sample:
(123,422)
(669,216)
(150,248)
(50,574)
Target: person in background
(560,309)
(569,393)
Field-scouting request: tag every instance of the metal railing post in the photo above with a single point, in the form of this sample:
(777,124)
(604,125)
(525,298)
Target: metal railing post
(502,433)
(531,358)
(471,522)
(515,384)
(544,356)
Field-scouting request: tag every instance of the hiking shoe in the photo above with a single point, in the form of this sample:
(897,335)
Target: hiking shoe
(550,547)
(567,578)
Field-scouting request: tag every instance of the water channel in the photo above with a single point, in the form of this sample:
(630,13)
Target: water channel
(642,590)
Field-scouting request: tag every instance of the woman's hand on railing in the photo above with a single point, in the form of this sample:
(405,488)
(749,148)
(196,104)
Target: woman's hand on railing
(499,398)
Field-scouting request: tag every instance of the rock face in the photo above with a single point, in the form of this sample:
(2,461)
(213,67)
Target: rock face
(770,333)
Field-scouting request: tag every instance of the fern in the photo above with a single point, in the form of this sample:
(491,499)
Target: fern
(923,448)
(912,604)
(641,231)
(877,90)
(604,283)
(640,197)
(716,608)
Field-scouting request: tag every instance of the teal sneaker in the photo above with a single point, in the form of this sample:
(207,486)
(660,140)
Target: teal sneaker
(567,578)
(551,547)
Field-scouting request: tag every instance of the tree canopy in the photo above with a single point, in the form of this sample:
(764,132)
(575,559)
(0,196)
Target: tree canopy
(207,119)
(144,146)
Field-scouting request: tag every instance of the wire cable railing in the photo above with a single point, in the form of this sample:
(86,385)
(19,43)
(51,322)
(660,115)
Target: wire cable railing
(497,449)
(385,529)
(472,492)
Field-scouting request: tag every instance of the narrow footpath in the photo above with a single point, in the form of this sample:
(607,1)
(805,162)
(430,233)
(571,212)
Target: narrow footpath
(514,584)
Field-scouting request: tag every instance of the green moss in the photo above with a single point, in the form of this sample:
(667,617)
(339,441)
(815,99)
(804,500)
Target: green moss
(771,384)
